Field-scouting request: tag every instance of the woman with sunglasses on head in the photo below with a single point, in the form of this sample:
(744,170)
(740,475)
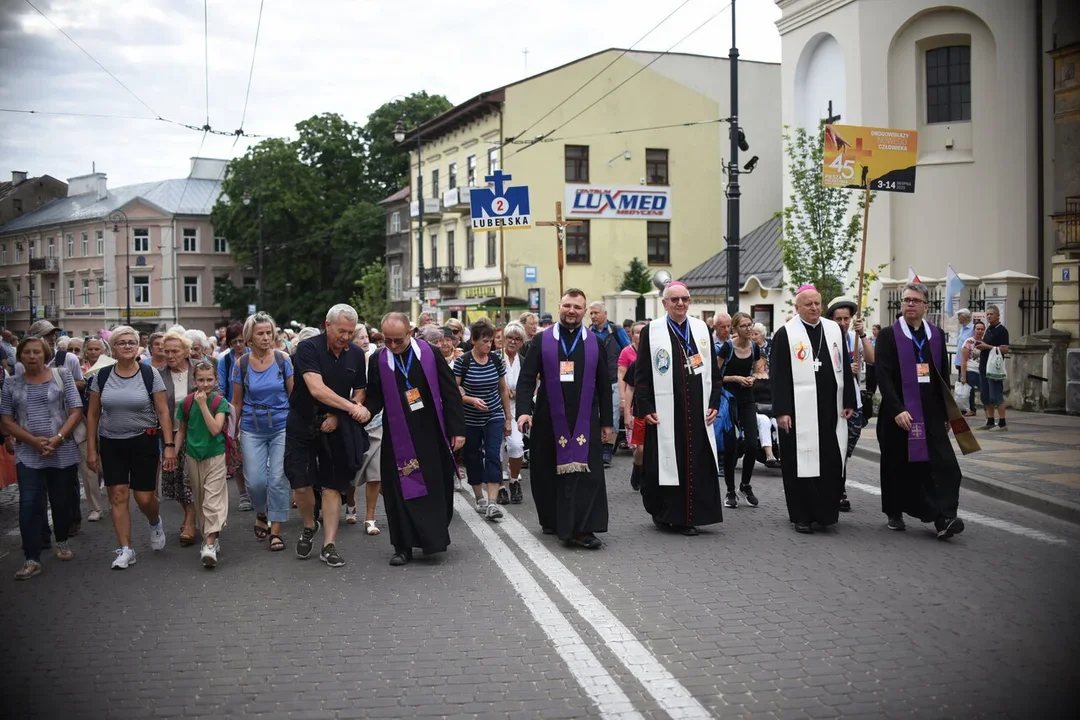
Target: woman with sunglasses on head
(741,364)
(122,429)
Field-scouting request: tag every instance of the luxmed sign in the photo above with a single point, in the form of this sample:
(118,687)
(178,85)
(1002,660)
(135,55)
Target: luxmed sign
(618,203)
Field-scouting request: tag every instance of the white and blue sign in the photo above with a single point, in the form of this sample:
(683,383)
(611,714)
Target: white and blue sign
(530,273)
(620,202)
(501,208)
(1065,275)
(251,309)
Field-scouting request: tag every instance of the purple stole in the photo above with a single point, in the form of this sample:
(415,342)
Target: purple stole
(918,450)
(413,483)
(571,448)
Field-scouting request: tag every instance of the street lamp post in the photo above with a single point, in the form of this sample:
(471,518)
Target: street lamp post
(24,243)
(115,218)
(262,292)
(399,137)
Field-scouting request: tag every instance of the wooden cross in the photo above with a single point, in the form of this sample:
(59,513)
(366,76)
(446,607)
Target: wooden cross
(560,226)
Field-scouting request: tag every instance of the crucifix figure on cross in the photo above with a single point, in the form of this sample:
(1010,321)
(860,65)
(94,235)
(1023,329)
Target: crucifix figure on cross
(560,226)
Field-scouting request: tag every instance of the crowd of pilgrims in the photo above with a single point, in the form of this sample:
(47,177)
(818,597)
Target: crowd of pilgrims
(416,411)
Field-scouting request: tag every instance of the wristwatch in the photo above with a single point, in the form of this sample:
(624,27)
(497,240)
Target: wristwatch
(168,445)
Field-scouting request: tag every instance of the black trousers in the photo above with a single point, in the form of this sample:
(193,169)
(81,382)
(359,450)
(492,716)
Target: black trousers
(871,379)
(745,415)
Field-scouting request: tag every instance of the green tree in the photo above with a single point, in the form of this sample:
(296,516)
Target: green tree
(371,299)
(637,277)
(233,300)
(388,163)
(822,233)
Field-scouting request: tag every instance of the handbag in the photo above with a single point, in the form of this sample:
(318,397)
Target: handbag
(995,365)
(962,392)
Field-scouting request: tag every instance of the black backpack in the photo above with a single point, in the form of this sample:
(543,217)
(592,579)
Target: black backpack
(467,358)
(146,371)
(245,360)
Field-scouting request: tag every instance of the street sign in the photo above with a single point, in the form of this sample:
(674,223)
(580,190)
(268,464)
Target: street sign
(856,156)
(1065,275)
(534,299)
(501,208)
(251,309)
(530,273)
(5,309)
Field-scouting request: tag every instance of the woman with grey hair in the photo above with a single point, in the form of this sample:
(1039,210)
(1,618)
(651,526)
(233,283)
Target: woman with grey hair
(432,333)
(513,451)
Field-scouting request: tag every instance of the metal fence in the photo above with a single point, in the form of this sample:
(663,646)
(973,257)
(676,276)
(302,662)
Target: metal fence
(1036,310)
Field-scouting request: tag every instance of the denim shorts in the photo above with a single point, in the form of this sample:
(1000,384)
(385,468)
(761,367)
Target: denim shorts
(992,391)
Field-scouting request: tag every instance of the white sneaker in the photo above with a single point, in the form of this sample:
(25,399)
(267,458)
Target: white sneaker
(208,555)
(157,535)
(124,558)
(493,511)
(350,514)
(482,505)
(94,516)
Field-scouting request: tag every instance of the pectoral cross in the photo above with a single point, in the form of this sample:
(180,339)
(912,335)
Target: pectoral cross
(560,226)
(817,364)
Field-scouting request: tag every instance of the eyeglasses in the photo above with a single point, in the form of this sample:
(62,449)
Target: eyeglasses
(125,343)
(395,341)
(913,301)
(680,299)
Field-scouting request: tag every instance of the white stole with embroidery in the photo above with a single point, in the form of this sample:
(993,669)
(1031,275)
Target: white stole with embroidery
(807,431)
(663,366)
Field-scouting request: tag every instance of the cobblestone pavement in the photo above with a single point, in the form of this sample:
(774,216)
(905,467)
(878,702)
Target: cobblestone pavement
(747,620)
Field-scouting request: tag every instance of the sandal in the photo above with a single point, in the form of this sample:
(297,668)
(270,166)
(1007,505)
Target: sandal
(371,529)
(276,543)
(261,531)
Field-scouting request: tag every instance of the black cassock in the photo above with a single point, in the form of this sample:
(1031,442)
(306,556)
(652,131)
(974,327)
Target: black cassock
(572,504)
(422,522)
(810,499)
(696,500)
(926,490)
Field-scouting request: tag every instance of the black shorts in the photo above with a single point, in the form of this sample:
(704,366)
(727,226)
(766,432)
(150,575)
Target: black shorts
(312,459)
(130,461)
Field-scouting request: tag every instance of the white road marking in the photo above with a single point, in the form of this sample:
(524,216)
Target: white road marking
(583,664)
(668,692)
(983,520)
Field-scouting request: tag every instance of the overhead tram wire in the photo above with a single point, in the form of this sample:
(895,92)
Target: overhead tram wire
(539,139)
(601,71)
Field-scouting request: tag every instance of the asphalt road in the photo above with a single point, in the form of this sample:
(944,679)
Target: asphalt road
(747,620)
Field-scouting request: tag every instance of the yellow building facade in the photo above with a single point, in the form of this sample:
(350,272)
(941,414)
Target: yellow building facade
(642,167)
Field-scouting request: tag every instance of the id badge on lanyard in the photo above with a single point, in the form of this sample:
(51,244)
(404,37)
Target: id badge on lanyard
(412,396)
(695,363)
(566,371)
(922,372)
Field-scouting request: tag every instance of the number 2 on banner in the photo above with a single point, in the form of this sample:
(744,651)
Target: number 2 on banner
(846,168)
(499,206)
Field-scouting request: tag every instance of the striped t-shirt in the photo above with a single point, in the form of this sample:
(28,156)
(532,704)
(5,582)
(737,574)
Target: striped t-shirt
(481,381)
(39,423)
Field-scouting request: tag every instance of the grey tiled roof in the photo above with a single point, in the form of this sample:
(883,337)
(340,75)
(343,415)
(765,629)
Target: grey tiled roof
(197,199)
(759,256)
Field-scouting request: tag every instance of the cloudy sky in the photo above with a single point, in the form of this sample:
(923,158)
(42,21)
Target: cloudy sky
(344,56)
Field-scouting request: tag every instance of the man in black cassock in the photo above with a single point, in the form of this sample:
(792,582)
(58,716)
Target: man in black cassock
(813,396)
(677,392)
(566,470)
(423,423)
(919,472)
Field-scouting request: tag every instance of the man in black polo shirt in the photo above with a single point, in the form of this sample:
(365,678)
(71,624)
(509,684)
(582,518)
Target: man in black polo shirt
(993,391)
(332,392)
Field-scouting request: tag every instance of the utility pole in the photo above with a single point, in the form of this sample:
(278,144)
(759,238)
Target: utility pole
(733,192)
(262,282)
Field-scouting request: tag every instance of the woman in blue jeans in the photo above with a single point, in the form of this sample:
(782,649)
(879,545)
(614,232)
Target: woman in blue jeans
(262,381)
(40,408)
(482,378)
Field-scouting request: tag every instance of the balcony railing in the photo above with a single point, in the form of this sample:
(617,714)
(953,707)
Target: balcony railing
(457,199)
(1070,236)
(46,264)
(441,276)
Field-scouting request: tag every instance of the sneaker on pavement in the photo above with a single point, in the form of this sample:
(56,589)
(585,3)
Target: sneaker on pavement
(330,556)
(208,555)
(845,504)
(989,426)
(482,505)
(306,542)
(515,492)
(896,522)
(245,503)
(503,498)
(124,558)
(732,500)
(1002,427)
(157,535)
(350,514)
(748,493)
(948,527)
(494,512)
(94,516)
(29,569)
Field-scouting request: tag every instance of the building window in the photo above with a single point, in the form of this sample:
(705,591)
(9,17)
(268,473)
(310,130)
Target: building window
(470,171)
(492,257)
(33,249)
(659,243)
(221,245)
(101,291)
(434,251)
(493,160)
(3,254)
(395,281)
(18,295)
(50,251)
(17,203)
(100,237)
(451,255)
(191,289)
(577,243)
(250,282)
(142,240)
(577,163)
(52,293)
(71,293)
(86,292)
(435,182)
(395,221)
(656,167)
(70,245)
(191,240)
(451,176)
(948,84)
(140,289)
(18,252)
(85,240)
(470,251)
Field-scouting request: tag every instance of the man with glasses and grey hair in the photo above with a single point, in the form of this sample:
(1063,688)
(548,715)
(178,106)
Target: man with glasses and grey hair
(317,442)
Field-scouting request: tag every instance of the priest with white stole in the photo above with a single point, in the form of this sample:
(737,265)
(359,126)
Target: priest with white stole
(814,394)
(677,392)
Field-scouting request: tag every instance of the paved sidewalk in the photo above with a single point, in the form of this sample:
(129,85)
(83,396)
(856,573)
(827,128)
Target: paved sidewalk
(1036,463)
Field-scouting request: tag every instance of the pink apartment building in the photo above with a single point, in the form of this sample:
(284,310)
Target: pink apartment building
(85,259)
